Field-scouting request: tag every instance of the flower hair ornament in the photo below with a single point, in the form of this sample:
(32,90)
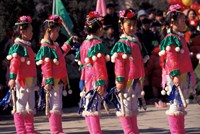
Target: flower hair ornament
(93,17)
(128,14)
(174,8)
(53,19)
(24,20)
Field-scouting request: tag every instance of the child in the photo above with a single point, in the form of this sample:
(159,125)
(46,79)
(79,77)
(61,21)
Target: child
(177,72)
(92,61)
(23,75)
(54,71)
(129,70)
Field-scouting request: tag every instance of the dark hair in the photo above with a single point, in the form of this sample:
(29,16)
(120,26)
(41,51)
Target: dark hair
(45,26)
(170,18)
(17,28)
(190,11)
(173,16)
(92,25)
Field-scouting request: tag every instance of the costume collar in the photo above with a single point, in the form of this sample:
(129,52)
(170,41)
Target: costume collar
(44,41)
(28,43)
(90,37)
(176,33)
(131,38)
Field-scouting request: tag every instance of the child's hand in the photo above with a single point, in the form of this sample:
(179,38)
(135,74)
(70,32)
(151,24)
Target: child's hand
(101,90)
(74,39)
(11,83)
(176,80)
(47,86)
(119,87)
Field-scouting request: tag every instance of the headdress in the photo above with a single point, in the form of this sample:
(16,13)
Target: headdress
(23,20)
(52,20)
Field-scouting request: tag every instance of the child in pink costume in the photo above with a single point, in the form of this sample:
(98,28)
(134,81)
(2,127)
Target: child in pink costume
(92,60)
(54,71)
(129,69)
(177,68)
(23,76)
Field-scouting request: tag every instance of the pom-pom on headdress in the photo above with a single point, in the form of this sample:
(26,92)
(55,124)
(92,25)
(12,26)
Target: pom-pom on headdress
(53,20)
(24,20)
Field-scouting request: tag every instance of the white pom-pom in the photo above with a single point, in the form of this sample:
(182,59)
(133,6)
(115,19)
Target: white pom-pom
(124,56)
(168,93)
(22,59)
(163,92)
(125,95)
(198,56)
(82,94)
(142,93)
(88,96)
(27,90)
(119,94)
(55,61)
(182,51)
(112,59)
(130,58)
(128,99)
(161,53)
(9,57)
(79,62)
(133,96)
(87,60)
(115,55)
(40,62)
(177,49)
(76,60)
(28,62)
(146,58)
(55,93)
(94,58)
(99,55)
(167,88)
(107,57)
(13,111)
(168,48)
(47,59)
(69,91)
(191,53)
(64,93)
(14,54)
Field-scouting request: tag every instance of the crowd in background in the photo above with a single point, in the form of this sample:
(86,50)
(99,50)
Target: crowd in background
(150,26)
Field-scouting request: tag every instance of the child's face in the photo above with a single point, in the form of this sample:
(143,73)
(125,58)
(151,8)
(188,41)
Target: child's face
(110,31)
(54,33)
(28,33)
(129,27)
(180,23)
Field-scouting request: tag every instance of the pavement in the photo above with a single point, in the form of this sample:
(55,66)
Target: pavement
(151,121)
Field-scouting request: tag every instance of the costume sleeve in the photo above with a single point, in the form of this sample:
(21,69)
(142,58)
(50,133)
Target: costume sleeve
(16,52)
(14,67)
(117,53)
(100,71)
(47,71)
(98,53)
(172,61)
(67,46)
(119,68)
(170,47)
(46,57)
